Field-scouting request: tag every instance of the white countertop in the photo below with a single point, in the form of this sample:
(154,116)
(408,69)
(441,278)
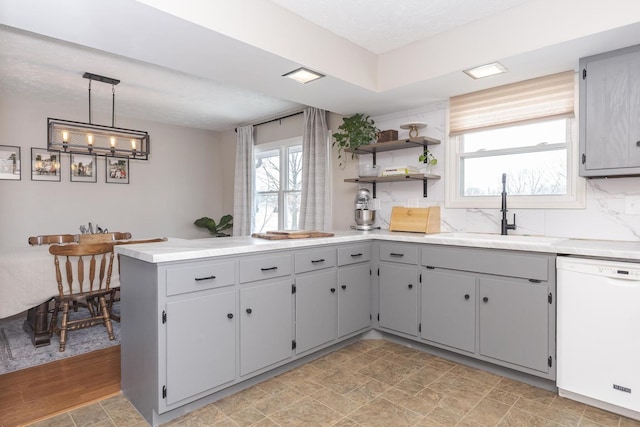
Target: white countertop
(181,249)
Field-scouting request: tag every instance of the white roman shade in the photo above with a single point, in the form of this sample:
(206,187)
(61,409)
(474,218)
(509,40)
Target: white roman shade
(543,97)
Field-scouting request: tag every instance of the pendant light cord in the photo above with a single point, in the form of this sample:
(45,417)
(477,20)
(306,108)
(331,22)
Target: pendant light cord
(113,106)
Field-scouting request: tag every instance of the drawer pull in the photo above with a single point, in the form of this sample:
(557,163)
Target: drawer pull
(315,261)
(396,254)
(230,315)
(269,268)
(200,279)
(355,255)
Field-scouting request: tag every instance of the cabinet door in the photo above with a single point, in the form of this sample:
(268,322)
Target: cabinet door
(201,344)
(316,310)
(611,92)
(399,298)
(266,317)
(354,299)
(514,322)
(448,313)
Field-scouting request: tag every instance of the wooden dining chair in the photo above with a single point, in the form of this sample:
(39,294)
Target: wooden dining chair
(83,275)
(115,295)
(104,237)
(53,239)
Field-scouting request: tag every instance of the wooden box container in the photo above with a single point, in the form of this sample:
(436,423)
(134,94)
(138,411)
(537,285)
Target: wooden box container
(417,220)
(387,135)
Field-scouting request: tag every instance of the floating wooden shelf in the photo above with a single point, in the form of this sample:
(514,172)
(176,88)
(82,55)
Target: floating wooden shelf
(401,144)
(379,147)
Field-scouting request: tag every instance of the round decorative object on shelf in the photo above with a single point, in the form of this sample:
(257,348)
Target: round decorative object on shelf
(413,128)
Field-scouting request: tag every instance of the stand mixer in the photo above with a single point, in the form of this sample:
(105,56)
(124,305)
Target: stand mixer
(364,213)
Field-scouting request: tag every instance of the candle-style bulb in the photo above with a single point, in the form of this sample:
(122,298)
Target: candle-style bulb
(65,136)
(113,142)
(90,139)
(133,144)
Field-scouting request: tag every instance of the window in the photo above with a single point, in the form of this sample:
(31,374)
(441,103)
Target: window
(278,181)
(526,131)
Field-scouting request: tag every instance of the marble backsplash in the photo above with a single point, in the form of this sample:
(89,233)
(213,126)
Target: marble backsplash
(611,204)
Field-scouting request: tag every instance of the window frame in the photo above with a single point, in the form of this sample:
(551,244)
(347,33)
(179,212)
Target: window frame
(283,147)
(573,199)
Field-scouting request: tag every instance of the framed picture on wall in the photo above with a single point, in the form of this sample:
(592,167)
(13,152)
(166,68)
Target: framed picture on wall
(83,168)
(45,165)
(9,162)
(117,170)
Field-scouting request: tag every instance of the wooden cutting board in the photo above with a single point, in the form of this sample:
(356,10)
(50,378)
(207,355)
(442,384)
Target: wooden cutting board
(290,234)
(418,220)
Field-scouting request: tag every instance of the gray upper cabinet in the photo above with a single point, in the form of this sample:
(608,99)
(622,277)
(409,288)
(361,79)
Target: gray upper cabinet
(610,114)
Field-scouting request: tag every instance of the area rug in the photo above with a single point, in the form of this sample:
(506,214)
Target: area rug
(17,352)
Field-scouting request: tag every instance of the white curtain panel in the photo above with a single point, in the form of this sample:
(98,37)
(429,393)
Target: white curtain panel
(243,185)
(314,209)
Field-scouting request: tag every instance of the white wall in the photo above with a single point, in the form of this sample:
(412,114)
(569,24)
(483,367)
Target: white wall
(606,215)
(181,181)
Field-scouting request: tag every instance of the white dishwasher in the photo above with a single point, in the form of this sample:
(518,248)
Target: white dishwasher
(599,333)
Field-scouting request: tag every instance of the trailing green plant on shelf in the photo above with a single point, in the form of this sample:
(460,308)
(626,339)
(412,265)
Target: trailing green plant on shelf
(354,132)
(216,228)
(428,158)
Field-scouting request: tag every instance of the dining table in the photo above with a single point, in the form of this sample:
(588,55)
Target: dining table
(28,284)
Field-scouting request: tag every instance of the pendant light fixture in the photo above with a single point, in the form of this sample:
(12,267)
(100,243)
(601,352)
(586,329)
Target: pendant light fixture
(88,138)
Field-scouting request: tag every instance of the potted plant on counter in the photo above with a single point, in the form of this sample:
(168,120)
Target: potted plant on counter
(354,132)
(216,229)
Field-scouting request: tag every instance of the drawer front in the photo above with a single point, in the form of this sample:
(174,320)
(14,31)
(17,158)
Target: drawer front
(198,276)
(353,254)
(265,267)
(497,262)
(315,259)
(405,254)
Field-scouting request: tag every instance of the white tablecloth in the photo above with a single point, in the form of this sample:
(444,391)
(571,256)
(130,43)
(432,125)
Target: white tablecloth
(28,278)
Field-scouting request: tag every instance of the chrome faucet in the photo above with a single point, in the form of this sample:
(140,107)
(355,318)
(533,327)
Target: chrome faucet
(504,224)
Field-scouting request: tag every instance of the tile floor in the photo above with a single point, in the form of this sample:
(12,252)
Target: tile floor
(370,383)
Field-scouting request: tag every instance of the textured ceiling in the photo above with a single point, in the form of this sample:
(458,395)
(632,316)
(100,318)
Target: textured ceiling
(208,64)
(383,25)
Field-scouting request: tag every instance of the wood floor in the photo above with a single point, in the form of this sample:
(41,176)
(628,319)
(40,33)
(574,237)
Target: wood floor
(32,394)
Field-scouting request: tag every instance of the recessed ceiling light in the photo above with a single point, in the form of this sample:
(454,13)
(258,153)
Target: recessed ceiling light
(302,75)
(486,70)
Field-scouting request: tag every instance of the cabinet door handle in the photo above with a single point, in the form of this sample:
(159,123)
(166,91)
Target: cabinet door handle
(333,290)
(315,261)
(410,286)
(230,315)
(269,268)
(485,299)
(396,254)
(200,279)
(344,286)
(466,296)
(357,255)
(637,143)
(249,311)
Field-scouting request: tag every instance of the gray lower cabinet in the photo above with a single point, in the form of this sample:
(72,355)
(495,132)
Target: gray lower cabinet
(316,309)
(514,322)
(200,333)
(354,298)
(493,304)
(448,309)
(399,298)
(265,325)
